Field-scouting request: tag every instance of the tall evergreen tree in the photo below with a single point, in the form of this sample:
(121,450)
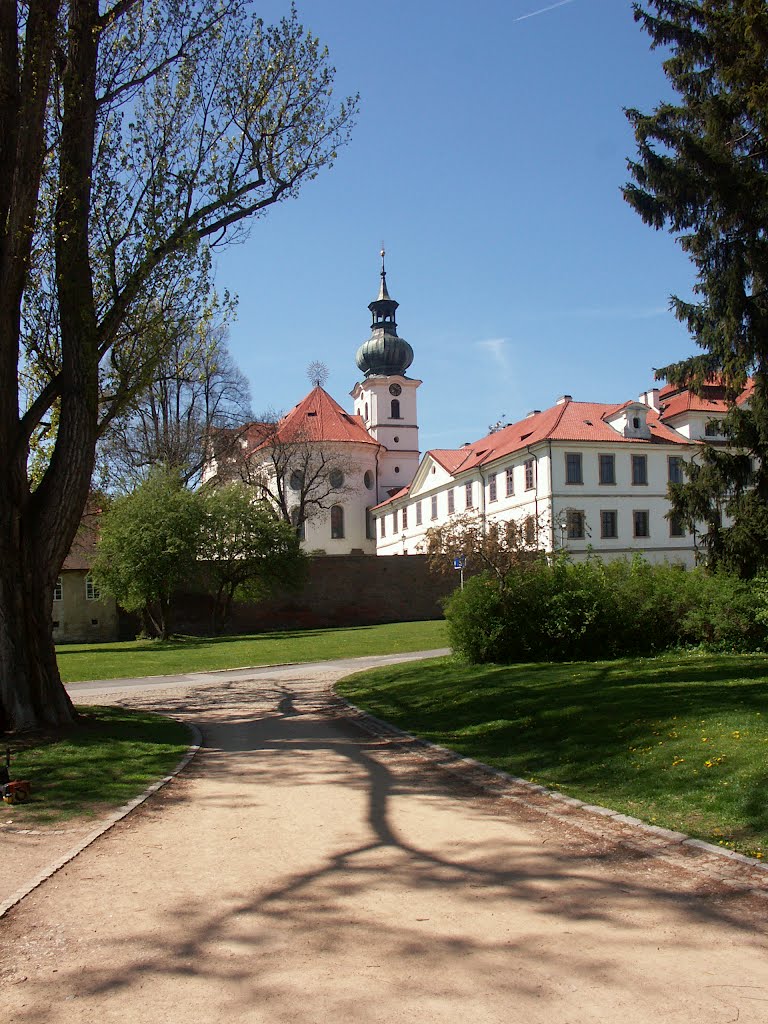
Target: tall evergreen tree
(701,172)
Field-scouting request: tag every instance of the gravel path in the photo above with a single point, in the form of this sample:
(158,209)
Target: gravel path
(301,870)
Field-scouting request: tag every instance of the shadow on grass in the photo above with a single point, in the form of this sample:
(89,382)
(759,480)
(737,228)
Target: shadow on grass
(105,759)
(678,738)
(196,642)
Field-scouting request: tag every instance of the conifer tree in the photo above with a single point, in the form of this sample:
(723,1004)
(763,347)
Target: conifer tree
(701,172)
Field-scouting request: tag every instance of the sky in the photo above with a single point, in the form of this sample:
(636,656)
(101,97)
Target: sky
(488,156)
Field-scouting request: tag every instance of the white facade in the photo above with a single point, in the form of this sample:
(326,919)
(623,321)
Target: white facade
(579,476)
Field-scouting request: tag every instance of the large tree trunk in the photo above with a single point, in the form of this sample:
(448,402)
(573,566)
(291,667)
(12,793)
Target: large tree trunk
(31,693)
(37,528)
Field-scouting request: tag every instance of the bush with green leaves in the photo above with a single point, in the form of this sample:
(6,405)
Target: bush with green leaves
(562,610)
(148,544)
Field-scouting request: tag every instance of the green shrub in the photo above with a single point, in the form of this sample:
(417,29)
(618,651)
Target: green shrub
(562,610)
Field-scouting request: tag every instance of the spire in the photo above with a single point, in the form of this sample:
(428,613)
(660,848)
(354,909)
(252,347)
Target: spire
(383,308)
(383,293)
(384,354)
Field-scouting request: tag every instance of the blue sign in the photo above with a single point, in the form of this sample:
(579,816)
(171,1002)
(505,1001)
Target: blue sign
(459,563)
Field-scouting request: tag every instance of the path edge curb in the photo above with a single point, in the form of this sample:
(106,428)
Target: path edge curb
(383,729)
(107,824)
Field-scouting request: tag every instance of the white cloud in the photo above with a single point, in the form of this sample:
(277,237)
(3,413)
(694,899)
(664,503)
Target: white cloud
(497,350)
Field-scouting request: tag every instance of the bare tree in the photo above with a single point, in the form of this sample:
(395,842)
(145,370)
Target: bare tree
(196,391)
(483,546)
(300,476)
(133,137)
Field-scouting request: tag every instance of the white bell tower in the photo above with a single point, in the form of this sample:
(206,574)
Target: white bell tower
(386,397)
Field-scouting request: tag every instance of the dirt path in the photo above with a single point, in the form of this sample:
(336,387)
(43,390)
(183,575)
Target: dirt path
(302,871)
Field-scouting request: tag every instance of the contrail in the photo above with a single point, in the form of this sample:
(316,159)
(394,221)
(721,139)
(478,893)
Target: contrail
(543,10)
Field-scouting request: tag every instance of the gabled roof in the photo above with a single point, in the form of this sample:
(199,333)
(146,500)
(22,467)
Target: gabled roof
(713,399)
(567,421)
(317,417)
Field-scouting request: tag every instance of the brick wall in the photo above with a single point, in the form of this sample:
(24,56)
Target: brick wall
(342,590)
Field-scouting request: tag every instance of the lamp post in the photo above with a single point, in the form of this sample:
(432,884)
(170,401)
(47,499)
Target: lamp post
(402,538)
(563,524)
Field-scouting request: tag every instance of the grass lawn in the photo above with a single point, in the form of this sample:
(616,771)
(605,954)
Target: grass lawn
(196,654)
(679,740)
(108,758)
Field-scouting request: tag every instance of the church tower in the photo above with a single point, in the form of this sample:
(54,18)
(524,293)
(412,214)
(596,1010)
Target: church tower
(386,397)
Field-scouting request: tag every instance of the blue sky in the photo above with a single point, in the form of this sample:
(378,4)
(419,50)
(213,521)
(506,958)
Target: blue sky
(488,155)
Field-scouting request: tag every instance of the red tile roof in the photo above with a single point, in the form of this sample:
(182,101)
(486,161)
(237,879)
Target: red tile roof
(713,399)
(569,421)
(318,417)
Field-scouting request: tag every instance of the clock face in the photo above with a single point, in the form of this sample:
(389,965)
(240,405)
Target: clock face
(395,389)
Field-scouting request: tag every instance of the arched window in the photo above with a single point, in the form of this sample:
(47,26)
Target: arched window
(366,411)
(298,526)
(337,522)
(395,411)
(336,479)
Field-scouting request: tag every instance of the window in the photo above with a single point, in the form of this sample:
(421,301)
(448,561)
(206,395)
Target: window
(418,513)
(675,464)
(395,410)
(640,521)
(336,478)
(368,479)
(451,502)
(370,525)
(528,466)
(92,592)
(468,494)
(639,470)
(58,590)
(510,481)
(574,520)
(297,480)
(712,429)
(529,530)
(573,474)
(609,524)
(405,517)
(383,526)
(676,528)
(337,522)
(492,487)
(394,521)
(299,527)
(434,506)
(606,467)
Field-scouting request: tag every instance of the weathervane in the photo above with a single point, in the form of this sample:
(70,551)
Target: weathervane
(318,373)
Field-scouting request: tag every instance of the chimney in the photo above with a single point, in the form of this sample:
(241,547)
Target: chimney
(563,399)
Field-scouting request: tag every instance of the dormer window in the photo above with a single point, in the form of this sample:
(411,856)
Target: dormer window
(630,421)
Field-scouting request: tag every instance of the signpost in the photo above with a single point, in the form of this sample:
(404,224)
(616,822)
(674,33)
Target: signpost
(459,563)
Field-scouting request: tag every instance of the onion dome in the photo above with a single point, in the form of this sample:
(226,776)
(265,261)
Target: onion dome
(384,354)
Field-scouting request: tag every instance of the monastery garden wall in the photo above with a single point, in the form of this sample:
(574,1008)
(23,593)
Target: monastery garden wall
(341,590)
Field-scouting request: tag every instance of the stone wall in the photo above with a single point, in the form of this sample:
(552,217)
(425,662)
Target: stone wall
(342,590)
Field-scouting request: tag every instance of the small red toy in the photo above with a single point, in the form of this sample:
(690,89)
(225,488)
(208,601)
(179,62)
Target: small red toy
(13,791)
